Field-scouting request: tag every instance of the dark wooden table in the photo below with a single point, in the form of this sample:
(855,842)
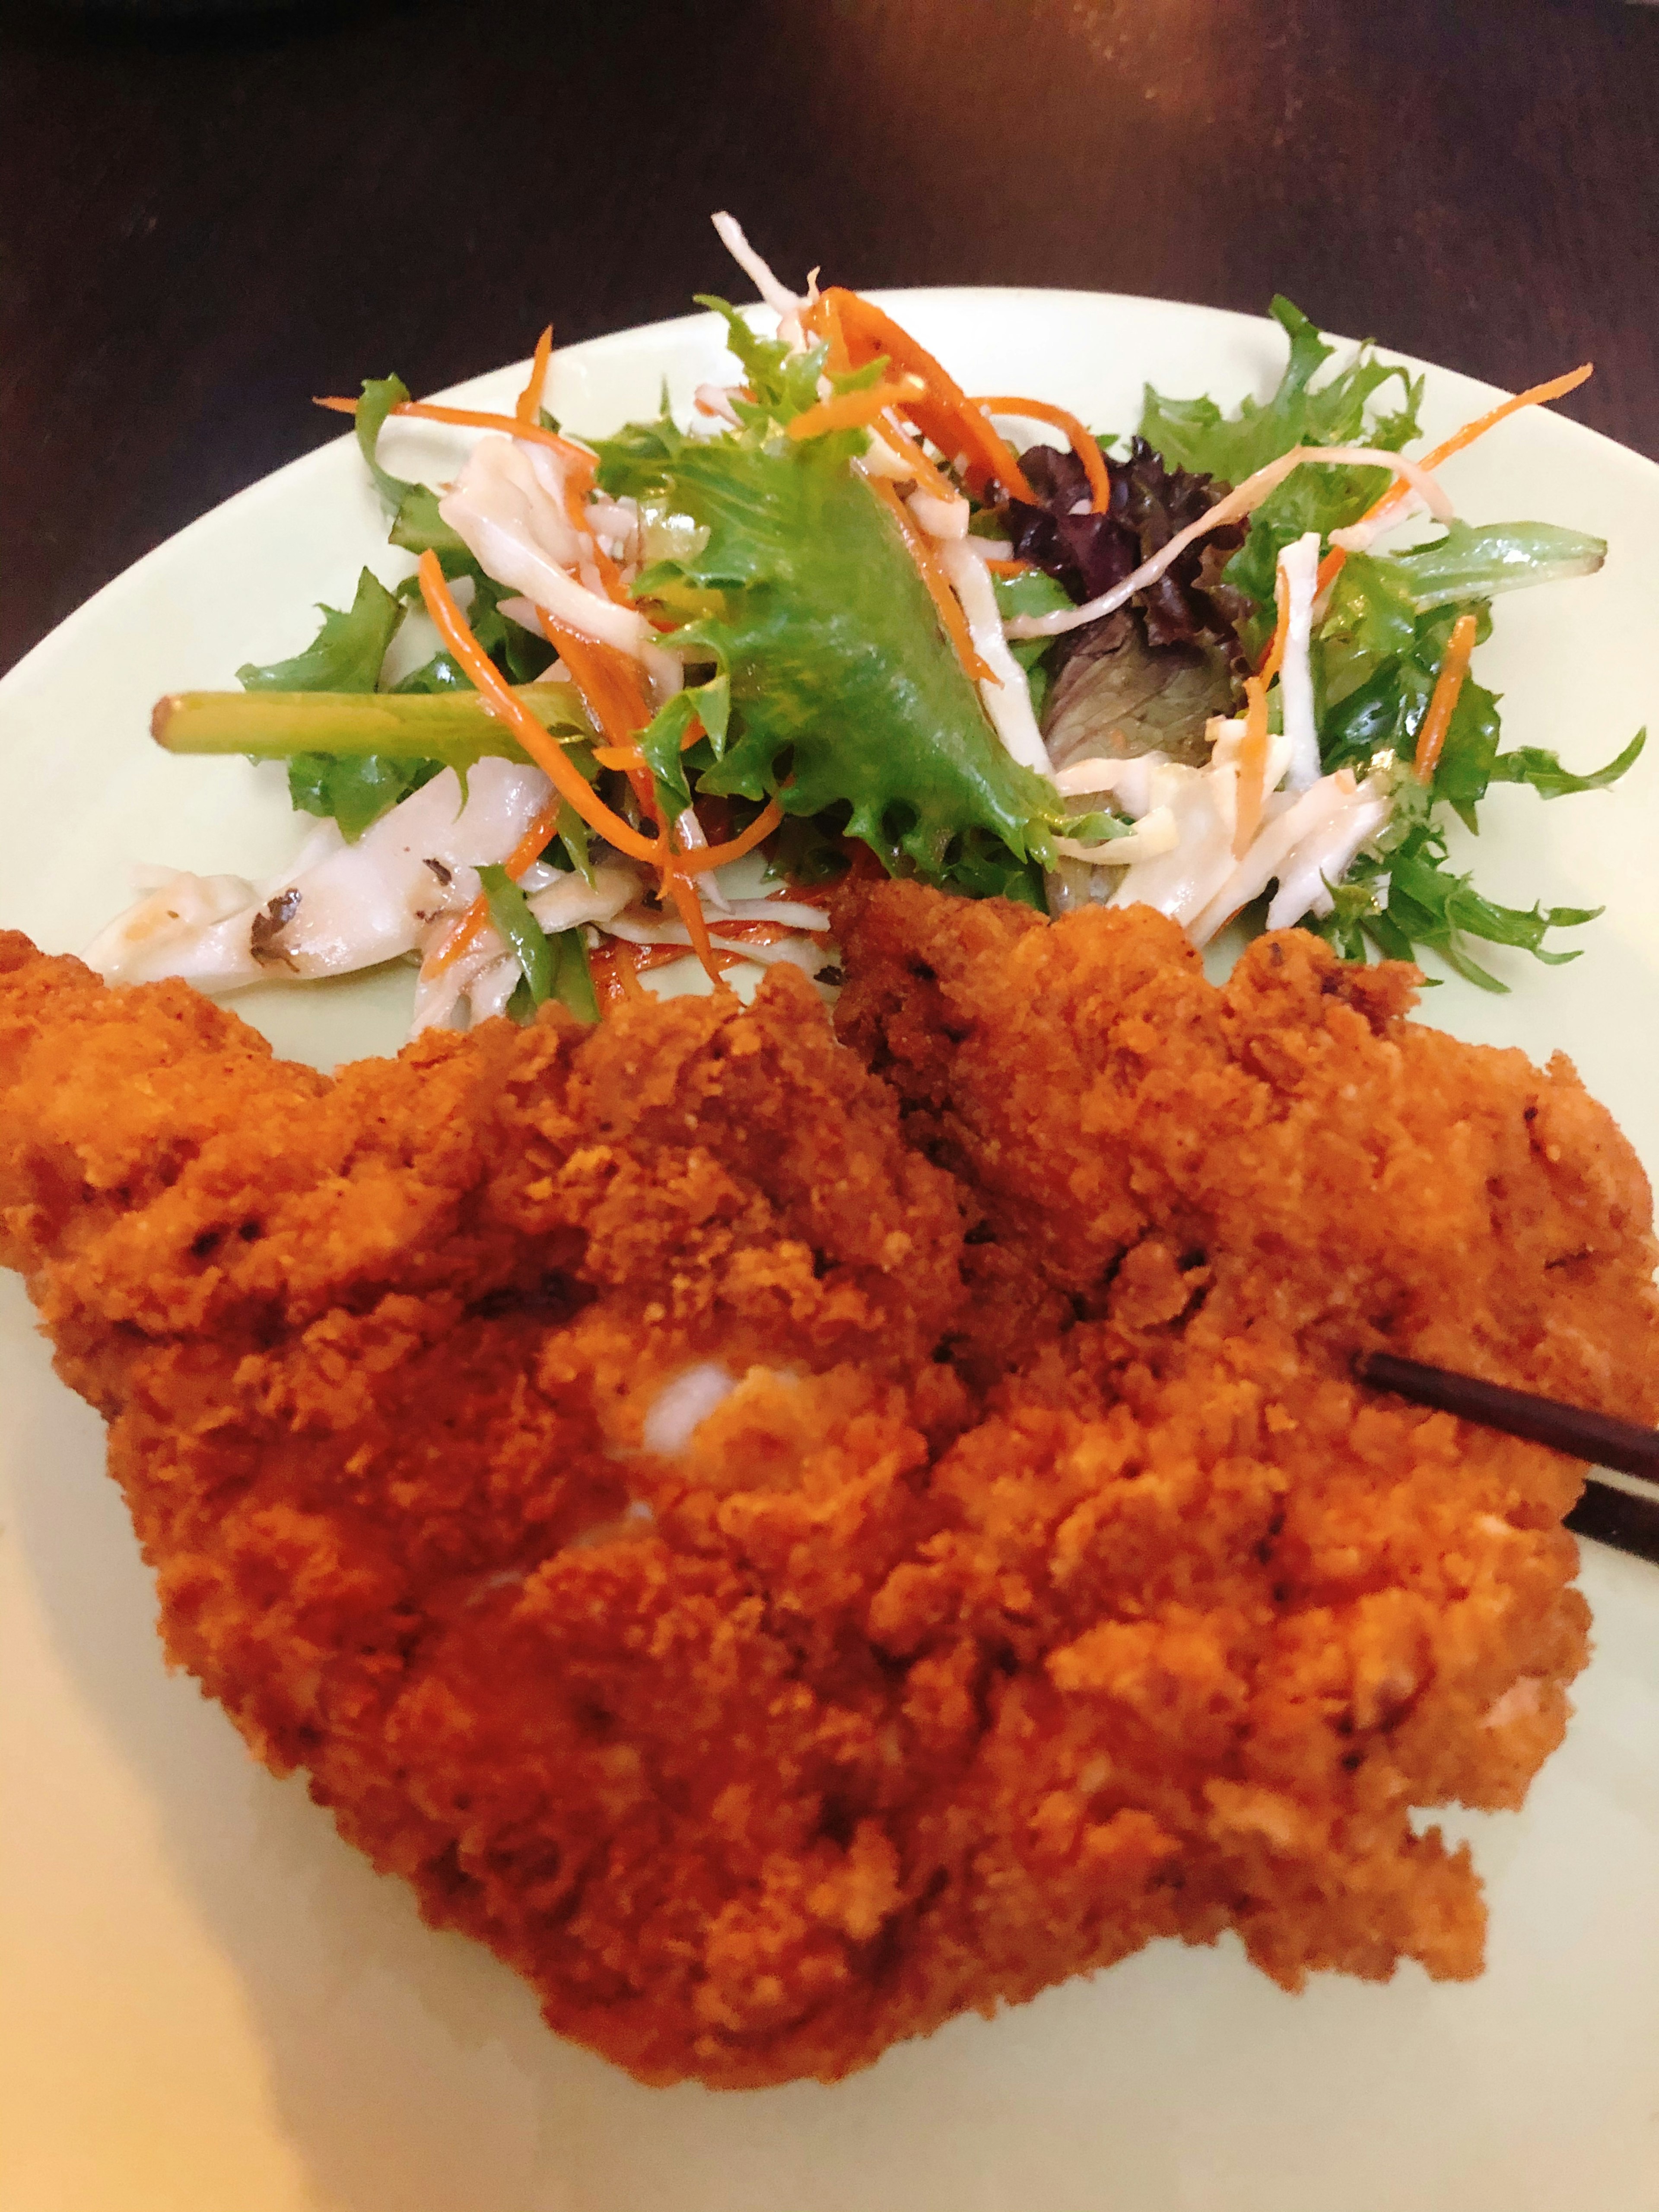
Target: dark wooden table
(207,221)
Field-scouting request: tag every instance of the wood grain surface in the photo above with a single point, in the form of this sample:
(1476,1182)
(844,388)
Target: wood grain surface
(208,219)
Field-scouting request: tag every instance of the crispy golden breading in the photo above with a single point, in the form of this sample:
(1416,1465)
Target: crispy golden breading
(1044,1586)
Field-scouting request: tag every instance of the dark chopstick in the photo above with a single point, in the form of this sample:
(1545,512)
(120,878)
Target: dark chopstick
(1570,1429)
(1617,1517)
(1611,1515)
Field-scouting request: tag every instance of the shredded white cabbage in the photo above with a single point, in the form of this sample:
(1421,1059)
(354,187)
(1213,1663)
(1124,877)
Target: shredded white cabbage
(347,907)
(943,519)
(785,303)
(1324,859)
(176,928)
(1179,881)
(1272,847)
(1008,697)
(1299,566)
(507,506)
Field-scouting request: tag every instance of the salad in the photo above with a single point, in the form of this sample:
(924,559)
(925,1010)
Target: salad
(677,681)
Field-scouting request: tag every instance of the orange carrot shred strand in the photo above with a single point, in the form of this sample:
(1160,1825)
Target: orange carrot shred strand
(822,318)
(1443,701)
(610,685)
(1537,395)
(458,939)
(530,398)
(684,892)
(500,700)
(1010,568)
(578,489)
(945,416)
(472,418)
(1274,658)
(756,932)
(929,479)
(628,969)
(853,410)
(704,857)
(615,968)
(1329,569)
(1086,448)
(1252,765)
(954,622)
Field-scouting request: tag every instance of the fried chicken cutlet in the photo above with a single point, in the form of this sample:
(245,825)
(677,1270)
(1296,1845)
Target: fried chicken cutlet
(1035,1582)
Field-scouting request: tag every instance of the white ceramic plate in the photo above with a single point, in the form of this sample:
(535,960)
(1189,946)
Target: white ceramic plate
(212,2005)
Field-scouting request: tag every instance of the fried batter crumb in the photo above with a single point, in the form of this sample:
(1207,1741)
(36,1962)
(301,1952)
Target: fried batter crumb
(1038,1583)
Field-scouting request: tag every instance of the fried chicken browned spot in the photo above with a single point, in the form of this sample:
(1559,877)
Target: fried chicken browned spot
(1038,1583)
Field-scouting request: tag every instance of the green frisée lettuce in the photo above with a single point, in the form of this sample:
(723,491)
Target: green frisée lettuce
(1377,651)
(1375,661)
(347,651)
(1194,434)
(1404,897)
(835,688)
(347,654)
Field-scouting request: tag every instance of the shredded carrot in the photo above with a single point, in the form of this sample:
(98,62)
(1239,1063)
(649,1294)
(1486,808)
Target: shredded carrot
(1086,448)
(615,971)
(1252,766)
(628,758)
(1329,569)
(949,607)
(530,398)
(609,682)
(1274,658)
(1538,395)
(578,490)
(684,892)
(609,685)
(460,938)
(1010,568)
(929,479)
(945,416)
(628,969)
(704,857)
(852,410)
(470,418)
(535,840)
(501,701)
(823,319)
(1442,701)
(755,933)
